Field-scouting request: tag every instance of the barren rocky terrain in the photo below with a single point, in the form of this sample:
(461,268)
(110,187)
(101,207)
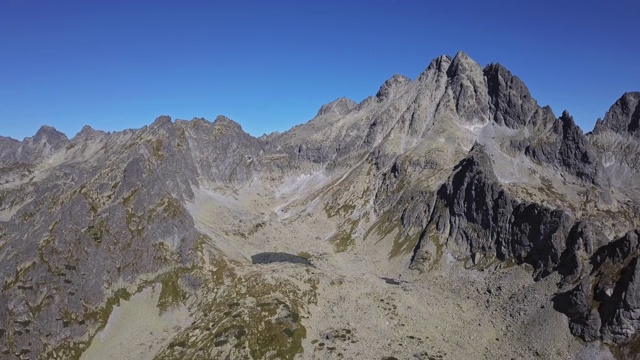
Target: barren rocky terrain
(446,217)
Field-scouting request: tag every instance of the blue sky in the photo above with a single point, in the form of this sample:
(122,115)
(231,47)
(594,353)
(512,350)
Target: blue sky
(270,65)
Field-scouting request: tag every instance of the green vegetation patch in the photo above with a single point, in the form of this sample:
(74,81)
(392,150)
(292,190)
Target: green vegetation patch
(345,209)
(171,293)
(156,148)
(403,244)
(72,350)
(97,230)
(172,208)
(20,272)
(343,240)
(128,199)
(246,316)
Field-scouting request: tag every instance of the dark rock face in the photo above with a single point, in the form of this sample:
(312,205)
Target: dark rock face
(8,149)
(606,302)
(475,219)
(617,142)
(568,148)
(477,216)
(511,102)
(51,136)
(223,151)
(585,322)
(623,117)
(46,141)
(583,240)
(468,88)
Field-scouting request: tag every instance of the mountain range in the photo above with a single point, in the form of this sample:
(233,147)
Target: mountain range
(446,217)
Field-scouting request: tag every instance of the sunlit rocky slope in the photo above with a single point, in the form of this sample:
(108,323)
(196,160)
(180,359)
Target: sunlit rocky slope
(446,217)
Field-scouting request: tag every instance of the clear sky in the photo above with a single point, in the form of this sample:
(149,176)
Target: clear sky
(270,65)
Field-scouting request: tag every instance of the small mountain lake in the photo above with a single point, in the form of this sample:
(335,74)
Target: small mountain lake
(279,257)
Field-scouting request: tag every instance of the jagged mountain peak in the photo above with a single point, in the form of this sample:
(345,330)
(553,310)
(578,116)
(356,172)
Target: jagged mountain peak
(340,106)
(161,120)
(512,104)
(570,128)
(392,85)
(566,116)
(88,132)
(49,134)
(489,93)
(87,129)
(222,120)
(463,65)
(479,159)
(436,68)
(623,116)
(441,63)
(9,140)
(467,89)
(462,56)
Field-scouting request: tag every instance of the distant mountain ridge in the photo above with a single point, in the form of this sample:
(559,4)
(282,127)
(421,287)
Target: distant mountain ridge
(459,166)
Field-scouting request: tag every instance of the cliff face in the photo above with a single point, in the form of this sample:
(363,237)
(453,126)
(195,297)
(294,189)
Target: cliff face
(459,165)
(623,117)
(616,139)
(477,219)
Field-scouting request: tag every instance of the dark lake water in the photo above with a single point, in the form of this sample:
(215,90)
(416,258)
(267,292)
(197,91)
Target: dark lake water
(279,257)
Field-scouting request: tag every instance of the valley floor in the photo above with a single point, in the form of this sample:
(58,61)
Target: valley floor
(367,305)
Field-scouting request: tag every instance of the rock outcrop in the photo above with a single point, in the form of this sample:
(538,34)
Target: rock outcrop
(606,300)
(567,147)
(511,102)
(623,117)
(340,107)
(475,218)
(46,142)
(392,86)
(617,140)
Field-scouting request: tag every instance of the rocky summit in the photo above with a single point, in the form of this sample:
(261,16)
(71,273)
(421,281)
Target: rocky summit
(446,217)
